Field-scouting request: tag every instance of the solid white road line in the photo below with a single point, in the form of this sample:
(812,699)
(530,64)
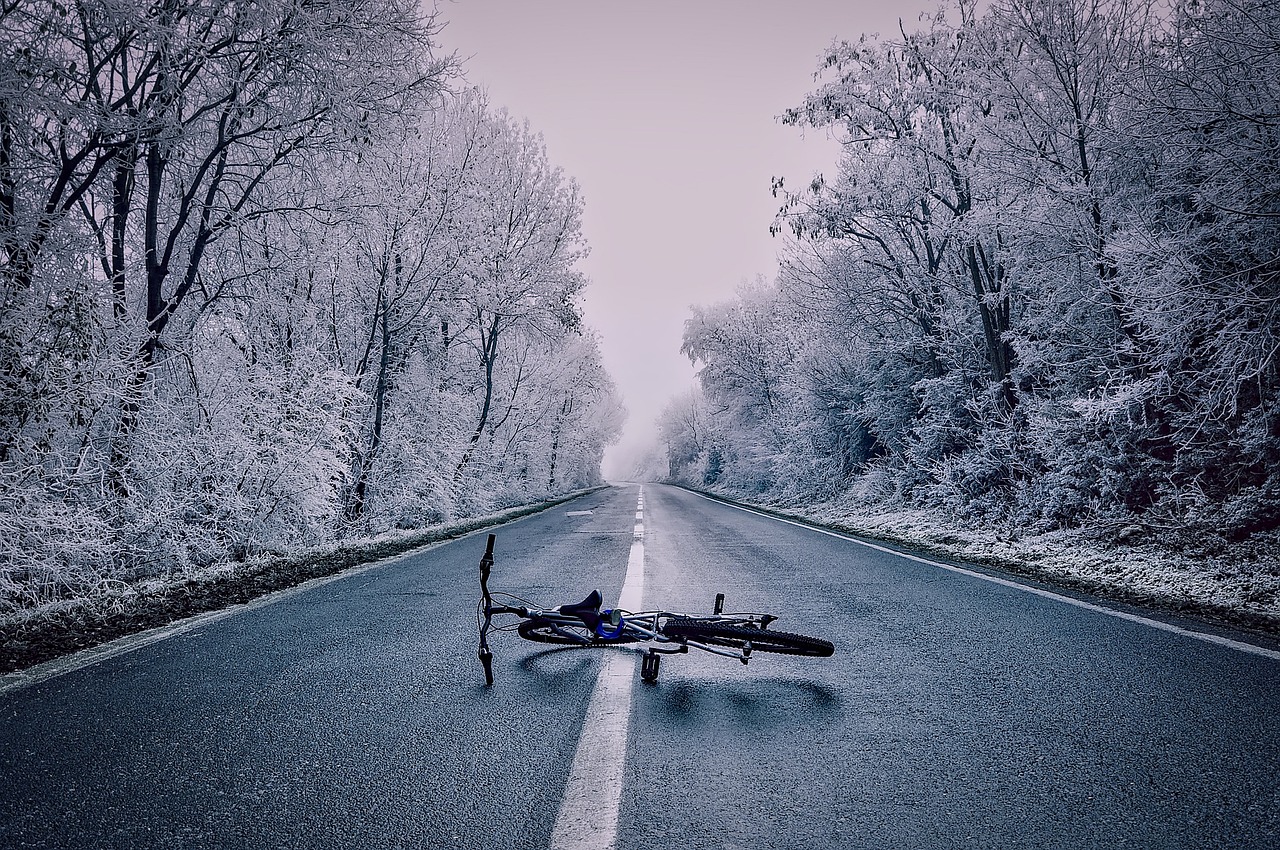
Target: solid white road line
(1048,594)
(93,655)
(588,817)
(120,646)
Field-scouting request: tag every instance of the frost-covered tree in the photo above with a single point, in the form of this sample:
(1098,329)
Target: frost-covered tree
(521,282)
(746,352)
(1197,256)
(246,251)
(1040,287)
(694,452)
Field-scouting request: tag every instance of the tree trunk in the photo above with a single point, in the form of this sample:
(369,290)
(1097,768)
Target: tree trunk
(565,410)
(364,466)
(988,281)
(489,353)
(121,196)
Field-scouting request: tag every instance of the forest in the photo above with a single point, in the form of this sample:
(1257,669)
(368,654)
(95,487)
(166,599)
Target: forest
(1039,292)
(273,276)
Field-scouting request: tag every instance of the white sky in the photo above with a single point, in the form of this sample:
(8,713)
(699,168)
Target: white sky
(664,111)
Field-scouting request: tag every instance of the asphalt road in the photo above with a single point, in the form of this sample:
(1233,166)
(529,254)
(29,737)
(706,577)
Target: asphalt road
(955,713)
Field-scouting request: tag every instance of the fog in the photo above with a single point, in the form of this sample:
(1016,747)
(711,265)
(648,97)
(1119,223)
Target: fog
(666,113)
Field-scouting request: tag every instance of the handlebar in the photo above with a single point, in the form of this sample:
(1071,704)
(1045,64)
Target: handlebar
(588,611)
(486,564)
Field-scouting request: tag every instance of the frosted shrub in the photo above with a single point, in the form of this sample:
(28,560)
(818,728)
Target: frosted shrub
(51,548)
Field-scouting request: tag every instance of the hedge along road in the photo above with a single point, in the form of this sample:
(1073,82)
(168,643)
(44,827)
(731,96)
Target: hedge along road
(956,712)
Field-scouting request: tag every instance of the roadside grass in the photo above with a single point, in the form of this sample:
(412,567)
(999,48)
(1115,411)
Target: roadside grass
(34,635)
(1211,579)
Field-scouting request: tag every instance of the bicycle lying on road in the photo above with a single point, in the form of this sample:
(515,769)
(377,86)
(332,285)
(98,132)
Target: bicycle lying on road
(585,625)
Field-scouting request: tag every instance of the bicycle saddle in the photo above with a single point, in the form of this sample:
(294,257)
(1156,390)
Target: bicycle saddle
(588,610)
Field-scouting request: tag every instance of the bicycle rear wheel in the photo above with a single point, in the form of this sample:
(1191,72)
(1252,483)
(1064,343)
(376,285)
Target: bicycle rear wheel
(761,640)
(542,630)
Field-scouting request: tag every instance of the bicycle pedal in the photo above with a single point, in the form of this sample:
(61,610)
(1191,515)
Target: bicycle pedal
(649,666)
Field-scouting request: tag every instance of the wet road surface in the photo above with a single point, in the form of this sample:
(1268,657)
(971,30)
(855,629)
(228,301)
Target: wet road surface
(955,713)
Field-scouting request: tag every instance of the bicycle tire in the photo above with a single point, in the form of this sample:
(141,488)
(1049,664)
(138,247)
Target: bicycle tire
(542,630)
(761,640)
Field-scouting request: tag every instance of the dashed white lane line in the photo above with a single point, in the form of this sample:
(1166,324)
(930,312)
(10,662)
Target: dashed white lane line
(1038,591)
(588,817)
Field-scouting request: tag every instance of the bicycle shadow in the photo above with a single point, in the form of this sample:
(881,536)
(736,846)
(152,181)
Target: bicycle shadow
(551,672)
(561,668)
(757,703)
(532,662)
(680,701)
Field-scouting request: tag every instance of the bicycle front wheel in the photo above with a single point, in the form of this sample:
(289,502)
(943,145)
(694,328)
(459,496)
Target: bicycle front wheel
(761,640)
(543,630)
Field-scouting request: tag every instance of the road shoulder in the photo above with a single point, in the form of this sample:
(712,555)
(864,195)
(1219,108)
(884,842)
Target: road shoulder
(1165,583)
(36,637)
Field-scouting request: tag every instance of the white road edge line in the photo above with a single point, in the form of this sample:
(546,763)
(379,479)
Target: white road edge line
(1048,594)
(93,655)
(588,817)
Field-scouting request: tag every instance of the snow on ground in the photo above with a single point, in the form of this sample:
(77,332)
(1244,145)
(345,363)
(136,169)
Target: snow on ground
(1239,582)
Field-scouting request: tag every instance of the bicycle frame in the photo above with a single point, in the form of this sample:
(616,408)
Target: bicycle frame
(644,626)
(586,624)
